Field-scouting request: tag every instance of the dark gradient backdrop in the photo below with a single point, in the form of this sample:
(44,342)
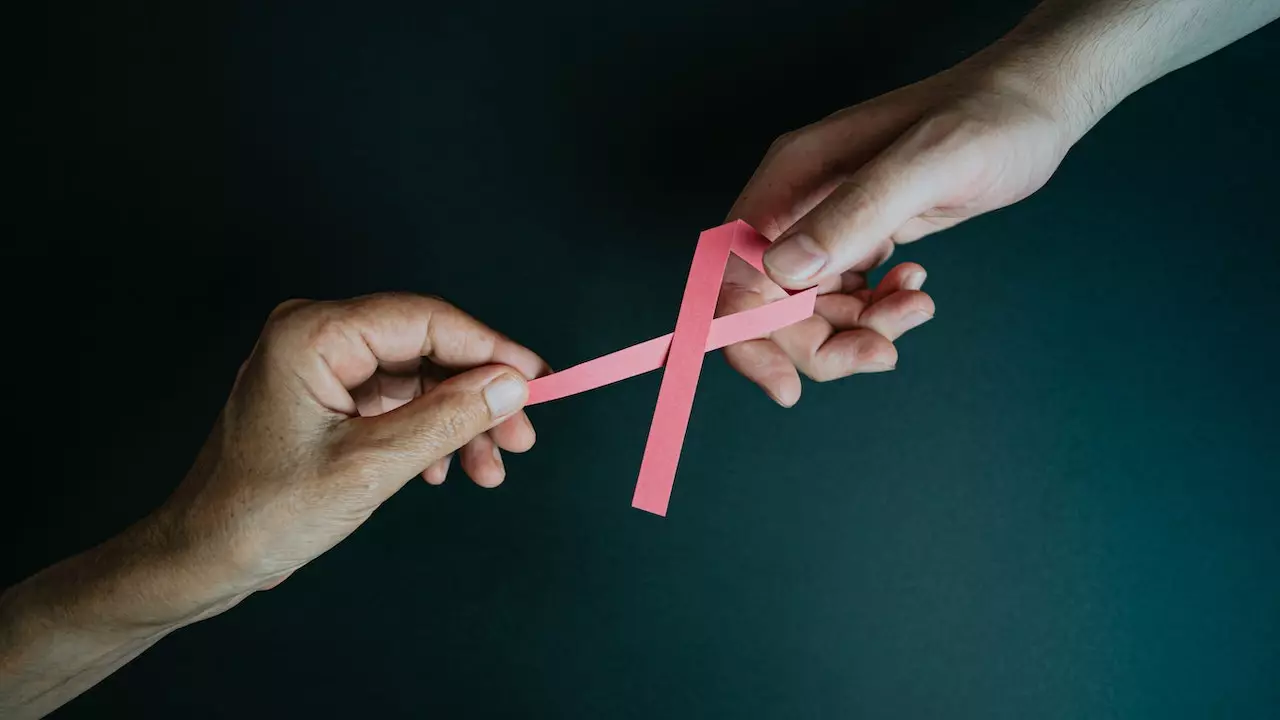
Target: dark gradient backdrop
(1064,504)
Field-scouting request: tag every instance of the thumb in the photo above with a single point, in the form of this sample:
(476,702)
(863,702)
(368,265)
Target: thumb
(852,223)
(405,441)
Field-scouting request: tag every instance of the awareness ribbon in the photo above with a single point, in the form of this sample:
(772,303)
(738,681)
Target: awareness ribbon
(697,331)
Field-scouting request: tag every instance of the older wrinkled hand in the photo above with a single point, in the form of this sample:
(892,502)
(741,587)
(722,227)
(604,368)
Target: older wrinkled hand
(338,406)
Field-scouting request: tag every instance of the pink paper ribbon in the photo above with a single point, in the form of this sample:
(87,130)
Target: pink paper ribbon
(697,331)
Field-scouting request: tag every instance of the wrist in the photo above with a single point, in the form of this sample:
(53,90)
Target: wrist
(1061,86)
(1077,61)
(187,583)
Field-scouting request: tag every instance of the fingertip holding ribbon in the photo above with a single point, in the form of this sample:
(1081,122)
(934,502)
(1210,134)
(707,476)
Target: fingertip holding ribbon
(697,332)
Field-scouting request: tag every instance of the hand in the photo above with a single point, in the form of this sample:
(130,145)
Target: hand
(838,195)
(339,404)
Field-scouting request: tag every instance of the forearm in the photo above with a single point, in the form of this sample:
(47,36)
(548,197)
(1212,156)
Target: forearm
(1085,56)
(69,626)
(52,667)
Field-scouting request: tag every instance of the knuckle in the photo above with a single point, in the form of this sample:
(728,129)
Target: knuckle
(960,134)
(940,125)
(782,142)
(328,330)
(287,308)
(286,323)
(284,314)
(323,331)
(791,142)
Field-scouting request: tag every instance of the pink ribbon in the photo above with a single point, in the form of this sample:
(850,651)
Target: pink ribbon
(697,331)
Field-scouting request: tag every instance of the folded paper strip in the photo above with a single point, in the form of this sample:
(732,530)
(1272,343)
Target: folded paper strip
(697,331)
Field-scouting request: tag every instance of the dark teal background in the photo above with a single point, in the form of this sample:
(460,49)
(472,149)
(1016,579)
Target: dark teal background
(1063,504)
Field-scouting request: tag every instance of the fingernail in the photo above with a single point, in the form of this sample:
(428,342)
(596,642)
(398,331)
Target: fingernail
(915,280)
(798,258)
(876,367)
(497,457)
(504,395)
(916,318)
(787,398)
(778,400)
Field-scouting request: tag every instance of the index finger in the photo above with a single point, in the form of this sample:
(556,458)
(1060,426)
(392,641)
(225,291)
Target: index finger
(789,182)
(336,346)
